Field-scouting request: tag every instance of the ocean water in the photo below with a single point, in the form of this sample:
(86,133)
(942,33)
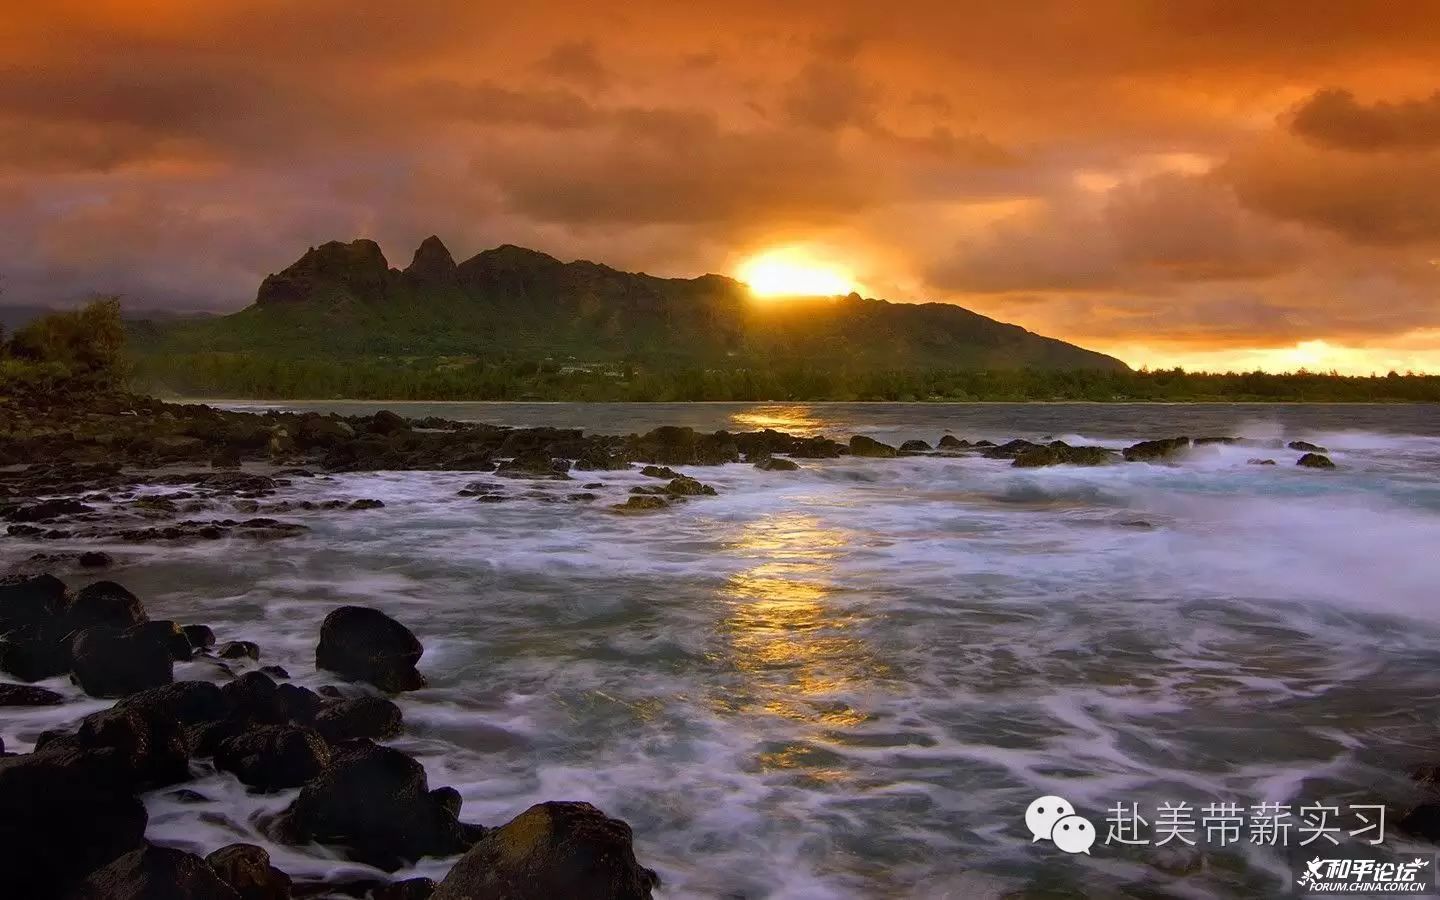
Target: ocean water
(851,680)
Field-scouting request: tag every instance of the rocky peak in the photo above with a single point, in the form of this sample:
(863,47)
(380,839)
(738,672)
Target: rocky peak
(433,266)
(334,271)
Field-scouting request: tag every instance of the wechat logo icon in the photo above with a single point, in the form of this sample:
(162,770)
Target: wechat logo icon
(1053,819)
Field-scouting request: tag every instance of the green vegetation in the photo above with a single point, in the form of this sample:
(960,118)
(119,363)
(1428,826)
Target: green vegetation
(67,352)
(234,374)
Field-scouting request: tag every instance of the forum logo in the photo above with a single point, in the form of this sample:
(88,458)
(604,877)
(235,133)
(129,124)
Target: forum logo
(1053,819)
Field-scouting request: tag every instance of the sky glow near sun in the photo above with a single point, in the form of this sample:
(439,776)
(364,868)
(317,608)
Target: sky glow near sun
(794,272)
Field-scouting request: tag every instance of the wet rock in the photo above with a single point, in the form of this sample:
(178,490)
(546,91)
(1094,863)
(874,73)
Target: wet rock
(915,447)
(275,671)
(273,757)
(46,510)
(108,662)
(672,445)
(1010,449)
(1257,461)
(1315,461)
(1150,451)
(860,445)
(28,695)
(246,869)
(106,603)
(155,873)
(33,602)
(951,442)
(409,889)
(364,644)
(599,459)
(76,819)
(555,849)
(387,422)
(359,717)
(186,702)
(170,634)
(776,464)
(366,504)
(1203,441)
(95,559)
(1063,455)
(36,652)
(374,802)
(535,464)
(640,503)
(201,637)
(238,650)
(688,487)
(143,749)
(254,696)
(659,472)
(1306,446)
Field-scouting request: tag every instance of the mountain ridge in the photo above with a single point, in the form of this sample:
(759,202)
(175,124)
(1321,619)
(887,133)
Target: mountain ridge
(344,298)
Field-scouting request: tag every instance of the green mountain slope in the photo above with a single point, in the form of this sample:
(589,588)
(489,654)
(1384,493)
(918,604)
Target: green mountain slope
(345,300)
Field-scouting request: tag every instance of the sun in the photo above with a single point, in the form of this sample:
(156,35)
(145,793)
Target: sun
(794,272)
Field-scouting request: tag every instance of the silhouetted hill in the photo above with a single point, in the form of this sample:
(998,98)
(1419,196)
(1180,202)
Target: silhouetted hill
(515,303)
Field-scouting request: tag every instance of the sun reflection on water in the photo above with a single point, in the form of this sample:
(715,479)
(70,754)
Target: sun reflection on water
(794,644)
(798,419)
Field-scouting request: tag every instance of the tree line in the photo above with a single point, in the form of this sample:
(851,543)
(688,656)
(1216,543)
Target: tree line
(221,374)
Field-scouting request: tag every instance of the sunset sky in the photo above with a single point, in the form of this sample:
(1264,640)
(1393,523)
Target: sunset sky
(1218,185)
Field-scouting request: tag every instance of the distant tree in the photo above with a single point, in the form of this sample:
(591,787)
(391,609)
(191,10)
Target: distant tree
(85,345)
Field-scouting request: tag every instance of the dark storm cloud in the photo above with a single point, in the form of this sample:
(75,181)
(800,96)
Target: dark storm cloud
(1334,118)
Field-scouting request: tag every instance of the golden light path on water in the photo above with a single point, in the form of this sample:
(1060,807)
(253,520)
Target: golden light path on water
(794,643)
(796,419)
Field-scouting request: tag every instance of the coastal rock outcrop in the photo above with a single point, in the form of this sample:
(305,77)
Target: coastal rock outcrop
(1152,451)
(554,849)
(860,445)
(375,802)
(364,644)
(1315,461)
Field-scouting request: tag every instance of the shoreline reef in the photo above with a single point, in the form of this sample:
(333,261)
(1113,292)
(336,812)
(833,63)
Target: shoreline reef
(116,468)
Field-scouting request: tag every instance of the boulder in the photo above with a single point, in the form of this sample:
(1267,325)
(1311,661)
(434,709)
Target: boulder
(387,422)
(155,873)
(95,559)
(170,634)
(359,717)
(373,801)
(108,662)
(37,652)
(1306,446)
(273,757)
(1257,461)
(688,487)
(200,636)
(1315,461)
(599,459)
(238,650)
(246,869)
(860,445)
(28,695)
(660,472)
(363,644)
(536,464)
(776,464)
(1063,455)
(106,603)
(554,849)
(186,702)
(640,503)
(76,819)
(951,442)
(366,503)
(33,602)
(915,447)
(144,749)
(1150,451)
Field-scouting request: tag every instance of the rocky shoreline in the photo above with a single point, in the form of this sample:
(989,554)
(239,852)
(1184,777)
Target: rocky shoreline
(123,469)
(75,828)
